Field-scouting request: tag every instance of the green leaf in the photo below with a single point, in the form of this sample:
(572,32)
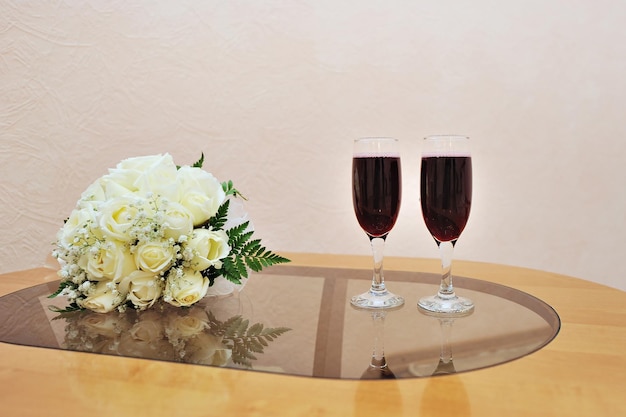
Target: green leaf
(254,264)
(199,162)
(220,218)
(246,253)
(237,236)
(211,273)
(63,285)
(230,189)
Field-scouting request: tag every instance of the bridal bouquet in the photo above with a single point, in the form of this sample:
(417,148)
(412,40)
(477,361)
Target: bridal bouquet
(150,230)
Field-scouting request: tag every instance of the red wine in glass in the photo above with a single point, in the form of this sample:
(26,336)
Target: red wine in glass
(446,195)
(376,195)
(446,199)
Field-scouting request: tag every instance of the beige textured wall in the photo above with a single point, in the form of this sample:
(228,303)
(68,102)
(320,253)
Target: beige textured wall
(274,92)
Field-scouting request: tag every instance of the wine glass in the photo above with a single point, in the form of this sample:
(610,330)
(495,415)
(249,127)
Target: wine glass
(376,195)
(446,197)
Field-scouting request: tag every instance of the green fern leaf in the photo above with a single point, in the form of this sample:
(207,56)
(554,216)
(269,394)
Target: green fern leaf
(252,246)
(63,285)
(199,162)
(220,218)
(241,267)
(230,271)
(238,240)
(254,264)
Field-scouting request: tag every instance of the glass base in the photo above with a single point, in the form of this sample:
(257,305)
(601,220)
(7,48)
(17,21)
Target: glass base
(453,306)
(373,300)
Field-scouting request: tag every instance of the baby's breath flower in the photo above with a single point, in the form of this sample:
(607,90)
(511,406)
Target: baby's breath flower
(64,272)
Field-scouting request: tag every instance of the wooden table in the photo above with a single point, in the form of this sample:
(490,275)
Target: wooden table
(580,373)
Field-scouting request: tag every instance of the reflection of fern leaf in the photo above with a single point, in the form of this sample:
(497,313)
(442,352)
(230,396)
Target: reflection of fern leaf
(244,340)
(255,340)
(255,329)
(241,354)
(235,327)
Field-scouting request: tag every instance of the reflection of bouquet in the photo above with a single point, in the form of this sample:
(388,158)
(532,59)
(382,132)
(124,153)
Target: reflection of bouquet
(151,230)
(191,335)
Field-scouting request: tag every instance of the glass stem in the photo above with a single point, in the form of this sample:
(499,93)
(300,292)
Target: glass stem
(378,247)
(446,290)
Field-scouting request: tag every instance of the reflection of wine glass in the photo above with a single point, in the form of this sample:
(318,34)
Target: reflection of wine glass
(376,195)
(378,368)
(446,197)
(446,320)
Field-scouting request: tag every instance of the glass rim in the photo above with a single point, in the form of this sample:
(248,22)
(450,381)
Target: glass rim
(376,138)
(446,137)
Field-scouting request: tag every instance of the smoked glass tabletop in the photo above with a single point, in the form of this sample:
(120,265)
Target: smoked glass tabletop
(299,321)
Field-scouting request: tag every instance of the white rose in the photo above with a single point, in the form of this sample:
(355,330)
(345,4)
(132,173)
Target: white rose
(207,349)
(119,215)
(116,187)
(146,163)
(92,195)
(143,288)
(154,257)
(178,221)
(155,174)
(78,227)
(200,192)
(185,290)
(103,298)
(108,261)
(209,247)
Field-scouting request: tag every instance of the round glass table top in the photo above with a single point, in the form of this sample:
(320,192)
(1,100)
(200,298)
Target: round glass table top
(299,321)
